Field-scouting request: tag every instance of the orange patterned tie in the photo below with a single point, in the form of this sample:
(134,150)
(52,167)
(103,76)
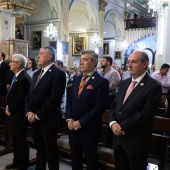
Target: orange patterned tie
(82,84)
(129,90)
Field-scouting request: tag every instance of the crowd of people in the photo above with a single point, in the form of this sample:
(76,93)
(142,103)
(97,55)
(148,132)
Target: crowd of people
(41,92)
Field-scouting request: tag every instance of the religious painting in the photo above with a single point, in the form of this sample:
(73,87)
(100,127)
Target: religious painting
(106,49)
(64,47)
(53,44)
(78,45)
(36,40)
(117,54)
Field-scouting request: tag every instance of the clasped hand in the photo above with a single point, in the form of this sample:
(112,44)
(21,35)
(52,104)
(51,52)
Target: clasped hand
(117,129)
(74,125)
(8,113)
(31,117)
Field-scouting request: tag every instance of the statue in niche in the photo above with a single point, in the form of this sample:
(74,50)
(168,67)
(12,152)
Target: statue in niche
(19,32)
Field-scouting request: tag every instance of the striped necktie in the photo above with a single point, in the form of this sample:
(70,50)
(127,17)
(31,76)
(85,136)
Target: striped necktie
(82,84)
(39,78)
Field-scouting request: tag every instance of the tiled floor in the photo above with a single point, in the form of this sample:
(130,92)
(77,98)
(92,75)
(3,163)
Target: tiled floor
(7,159)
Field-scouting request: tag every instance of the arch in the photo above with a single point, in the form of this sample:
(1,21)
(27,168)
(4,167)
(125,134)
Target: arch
(87,9)
(114,18)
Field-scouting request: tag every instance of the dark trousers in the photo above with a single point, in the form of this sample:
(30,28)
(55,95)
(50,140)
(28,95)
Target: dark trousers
(46,145)
(20,146)
(80,145)
(129,161)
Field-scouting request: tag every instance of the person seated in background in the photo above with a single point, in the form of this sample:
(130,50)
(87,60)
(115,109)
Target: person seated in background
(31,66)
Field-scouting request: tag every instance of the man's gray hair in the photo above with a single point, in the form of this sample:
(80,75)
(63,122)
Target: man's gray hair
(93,55)
(21,58)
(51,51)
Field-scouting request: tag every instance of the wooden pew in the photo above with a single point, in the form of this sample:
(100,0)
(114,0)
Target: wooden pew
(5,128)
(160,140)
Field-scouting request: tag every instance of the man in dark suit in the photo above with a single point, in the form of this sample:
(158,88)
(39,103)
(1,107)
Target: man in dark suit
(4,69)
(43,108)
(131,115)
(15,109)
(84,112)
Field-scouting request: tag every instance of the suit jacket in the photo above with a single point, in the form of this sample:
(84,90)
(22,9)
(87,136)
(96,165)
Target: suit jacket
(4,69)
(90,105)
(45,99)
(16,98)
(135,116)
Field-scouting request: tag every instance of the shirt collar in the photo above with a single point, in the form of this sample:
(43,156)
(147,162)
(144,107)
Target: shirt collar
(47,67)
(90,74)
(139,78)
(18,73)
(1,62)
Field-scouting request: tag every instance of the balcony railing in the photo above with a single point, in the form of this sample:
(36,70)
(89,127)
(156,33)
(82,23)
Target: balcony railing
(140,23)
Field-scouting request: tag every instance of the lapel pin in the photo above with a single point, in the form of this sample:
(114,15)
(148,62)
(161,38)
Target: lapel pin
(141,84)
(49,70)
(93,77)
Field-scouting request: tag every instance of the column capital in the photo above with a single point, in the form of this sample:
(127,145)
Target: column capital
(102,5)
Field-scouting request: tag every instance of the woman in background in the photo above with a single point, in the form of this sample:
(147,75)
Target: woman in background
(32,66)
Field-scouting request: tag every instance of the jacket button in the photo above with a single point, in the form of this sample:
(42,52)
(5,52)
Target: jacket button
(120,113)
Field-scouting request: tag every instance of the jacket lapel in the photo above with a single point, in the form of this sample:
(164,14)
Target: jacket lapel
(47,73)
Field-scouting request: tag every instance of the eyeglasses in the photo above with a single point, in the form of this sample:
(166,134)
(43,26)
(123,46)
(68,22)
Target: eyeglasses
(13,61)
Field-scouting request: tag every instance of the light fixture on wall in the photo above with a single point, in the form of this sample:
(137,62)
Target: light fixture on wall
(21,6)
(159,6)
(51,31)
(96,38)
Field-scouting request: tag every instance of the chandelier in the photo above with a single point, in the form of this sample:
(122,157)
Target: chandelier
(96,38)
(23,6)
(50,31)
(159,6)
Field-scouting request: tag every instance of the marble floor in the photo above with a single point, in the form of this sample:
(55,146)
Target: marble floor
(7,159)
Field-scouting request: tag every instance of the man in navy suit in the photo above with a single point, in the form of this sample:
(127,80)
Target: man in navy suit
(4,69)
(131,116)
(43,108)
(15,109)
(84,112)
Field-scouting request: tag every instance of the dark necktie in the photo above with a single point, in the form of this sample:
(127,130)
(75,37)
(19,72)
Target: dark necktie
(129,90)
(13,80)
(39,78)
(82,84)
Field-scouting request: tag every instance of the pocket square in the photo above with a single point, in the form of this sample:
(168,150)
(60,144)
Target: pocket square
(90,87)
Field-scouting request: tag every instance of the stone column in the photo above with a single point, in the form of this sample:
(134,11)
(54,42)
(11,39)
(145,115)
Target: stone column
(163,40)
(102,5)
(7,28)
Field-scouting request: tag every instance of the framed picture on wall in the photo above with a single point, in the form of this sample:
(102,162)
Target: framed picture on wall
(36,40)
(117,54)
(106,49)
(78,45)
(53,44)
(64,47)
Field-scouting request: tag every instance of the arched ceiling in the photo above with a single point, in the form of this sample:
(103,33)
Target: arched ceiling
(83,16)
